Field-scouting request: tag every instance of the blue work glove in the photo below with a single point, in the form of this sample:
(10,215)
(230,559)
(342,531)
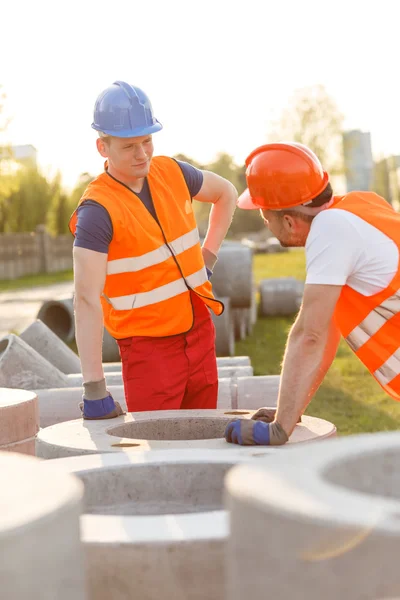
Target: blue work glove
(209,273)
(248,432)
(98,402)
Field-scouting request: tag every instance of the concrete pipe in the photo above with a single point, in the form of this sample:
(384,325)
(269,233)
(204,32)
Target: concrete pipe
(160,430)
(58,315)
(224,330)
(41,553)
(115,378)
(281,296)
(233,274)
(312,524)
(24,368)
(19,421)
(51,347)
(62,404)
(222,361)
(240,323)
(154,524)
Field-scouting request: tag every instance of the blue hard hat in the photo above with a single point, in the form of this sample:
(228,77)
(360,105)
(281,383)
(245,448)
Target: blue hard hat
(123,110)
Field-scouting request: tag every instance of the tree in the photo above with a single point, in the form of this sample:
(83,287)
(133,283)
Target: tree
(29,202)
(7,181)
(59,212)
(313,118)
(243,220)
(224,165)
(77,192)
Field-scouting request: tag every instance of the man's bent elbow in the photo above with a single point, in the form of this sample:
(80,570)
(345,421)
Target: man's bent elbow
(313,339)
(84,299)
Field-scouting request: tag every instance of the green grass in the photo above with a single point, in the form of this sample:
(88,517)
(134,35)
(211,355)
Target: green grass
(35,280)
(349,396)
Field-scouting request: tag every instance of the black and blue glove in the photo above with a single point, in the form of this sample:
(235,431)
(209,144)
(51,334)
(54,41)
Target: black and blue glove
(98,402)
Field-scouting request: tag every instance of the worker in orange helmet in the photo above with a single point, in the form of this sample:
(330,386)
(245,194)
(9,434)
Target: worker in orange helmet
(352,289)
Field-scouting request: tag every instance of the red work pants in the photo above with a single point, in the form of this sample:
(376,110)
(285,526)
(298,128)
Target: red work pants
(172,372)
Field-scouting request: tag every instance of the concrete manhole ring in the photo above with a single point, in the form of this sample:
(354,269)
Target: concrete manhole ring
(160,430)
(153,522)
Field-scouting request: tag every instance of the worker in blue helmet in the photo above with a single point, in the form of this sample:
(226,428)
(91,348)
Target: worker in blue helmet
(139,267)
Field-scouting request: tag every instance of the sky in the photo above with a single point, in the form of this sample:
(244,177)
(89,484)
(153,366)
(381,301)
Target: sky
(218,72)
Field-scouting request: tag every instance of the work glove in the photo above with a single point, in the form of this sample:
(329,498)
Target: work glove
(267,415)
(250,432)
(209,260)
(98,402)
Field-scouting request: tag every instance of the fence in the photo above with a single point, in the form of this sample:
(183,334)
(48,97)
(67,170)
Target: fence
(36,252)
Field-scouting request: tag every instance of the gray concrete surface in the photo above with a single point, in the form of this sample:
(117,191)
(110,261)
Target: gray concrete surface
(322,524)
(153,525)
(41,552)
(161,430)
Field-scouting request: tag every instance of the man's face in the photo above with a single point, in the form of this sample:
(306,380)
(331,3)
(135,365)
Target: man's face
(129,157)
(291,231)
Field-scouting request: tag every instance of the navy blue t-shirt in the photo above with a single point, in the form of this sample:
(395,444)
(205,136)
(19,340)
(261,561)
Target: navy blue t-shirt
(94,228)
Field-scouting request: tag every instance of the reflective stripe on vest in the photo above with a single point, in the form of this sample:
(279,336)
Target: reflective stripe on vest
(374,321)
(155,257)
(370,326)
(164,292)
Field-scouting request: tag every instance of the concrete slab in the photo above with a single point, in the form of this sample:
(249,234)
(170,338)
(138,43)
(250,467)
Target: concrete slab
(160,430)
(313,524)
(41,553)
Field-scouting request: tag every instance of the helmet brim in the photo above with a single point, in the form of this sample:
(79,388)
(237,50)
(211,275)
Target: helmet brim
(128,133)
(246,202)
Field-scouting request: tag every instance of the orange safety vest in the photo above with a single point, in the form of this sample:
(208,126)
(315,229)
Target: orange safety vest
(371,324)
(151,266)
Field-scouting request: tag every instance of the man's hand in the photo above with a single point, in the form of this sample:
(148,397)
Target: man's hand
(250,432)
(98,402)
(267,415)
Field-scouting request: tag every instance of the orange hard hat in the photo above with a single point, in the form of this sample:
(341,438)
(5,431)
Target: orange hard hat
(282,175)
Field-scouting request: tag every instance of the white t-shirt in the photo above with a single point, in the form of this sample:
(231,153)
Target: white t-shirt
(342,248)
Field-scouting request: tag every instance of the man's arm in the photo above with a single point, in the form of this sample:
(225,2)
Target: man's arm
(310,350)
(89,277)
(223,195)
